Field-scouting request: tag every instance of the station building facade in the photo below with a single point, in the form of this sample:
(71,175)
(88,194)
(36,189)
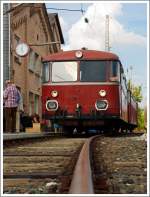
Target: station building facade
(30,23)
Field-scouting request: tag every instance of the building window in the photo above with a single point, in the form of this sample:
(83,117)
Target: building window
(36,104)
(38,67)
(36,56)
(33,60)
(31,102)
(17,40)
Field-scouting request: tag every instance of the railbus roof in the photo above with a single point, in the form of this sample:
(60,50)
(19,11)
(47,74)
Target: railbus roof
(86,55)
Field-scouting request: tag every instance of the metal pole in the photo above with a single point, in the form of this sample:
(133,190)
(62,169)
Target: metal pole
(107,47)
(42,44)
(131,78)
(11,49)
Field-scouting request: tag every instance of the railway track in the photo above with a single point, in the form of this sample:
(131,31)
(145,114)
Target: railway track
(116,165)
(40,166)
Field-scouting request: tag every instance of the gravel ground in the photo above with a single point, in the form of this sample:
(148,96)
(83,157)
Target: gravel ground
(121,165)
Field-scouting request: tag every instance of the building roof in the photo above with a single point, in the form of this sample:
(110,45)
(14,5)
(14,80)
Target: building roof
(87,54)
(49,17)
(52,18)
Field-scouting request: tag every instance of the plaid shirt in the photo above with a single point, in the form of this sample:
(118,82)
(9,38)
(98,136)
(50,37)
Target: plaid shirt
(11,96)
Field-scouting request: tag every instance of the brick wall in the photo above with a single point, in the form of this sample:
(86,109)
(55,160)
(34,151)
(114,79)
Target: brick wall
(30,25)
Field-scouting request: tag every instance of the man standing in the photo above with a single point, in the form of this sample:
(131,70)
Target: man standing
(11,101)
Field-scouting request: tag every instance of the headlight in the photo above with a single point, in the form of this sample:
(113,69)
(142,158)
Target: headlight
(51,105)
(54,93)
(78,54)
(102,93)
(101,104)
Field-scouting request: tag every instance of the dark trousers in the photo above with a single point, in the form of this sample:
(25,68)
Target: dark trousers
(4,121)
(10,118)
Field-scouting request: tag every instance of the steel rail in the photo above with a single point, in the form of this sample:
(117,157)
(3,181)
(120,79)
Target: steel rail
(82,182)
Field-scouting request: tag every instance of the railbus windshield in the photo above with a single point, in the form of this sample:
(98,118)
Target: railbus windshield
(64,71)
(93,71)
(84,71)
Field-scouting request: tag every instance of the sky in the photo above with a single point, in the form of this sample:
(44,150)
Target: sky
(127,32)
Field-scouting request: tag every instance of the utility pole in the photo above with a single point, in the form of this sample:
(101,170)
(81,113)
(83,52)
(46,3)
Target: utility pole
(131,87)
(107,47)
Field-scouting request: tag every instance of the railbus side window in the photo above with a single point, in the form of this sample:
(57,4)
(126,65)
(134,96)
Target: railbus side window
(115,71)
(46,72)
(124,82)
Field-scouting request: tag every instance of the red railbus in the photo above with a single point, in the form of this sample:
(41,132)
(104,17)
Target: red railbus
(86,89)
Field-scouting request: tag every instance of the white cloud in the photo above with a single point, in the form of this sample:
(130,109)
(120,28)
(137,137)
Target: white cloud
(92,34)
(63,24)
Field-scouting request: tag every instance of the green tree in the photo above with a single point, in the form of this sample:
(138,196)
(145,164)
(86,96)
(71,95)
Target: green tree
(137,94)
(141,121)
(136,91)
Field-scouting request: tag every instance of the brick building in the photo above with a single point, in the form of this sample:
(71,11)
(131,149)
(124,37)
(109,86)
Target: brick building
(6,42)
(30,23)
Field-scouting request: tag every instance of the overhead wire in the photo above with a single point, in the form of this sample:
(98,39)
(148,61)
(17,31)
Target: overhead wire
(82,9)
(58,9)
(64,9)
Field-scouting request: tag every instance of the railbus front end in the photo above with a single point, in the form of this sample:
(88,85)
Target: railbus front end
(84,90)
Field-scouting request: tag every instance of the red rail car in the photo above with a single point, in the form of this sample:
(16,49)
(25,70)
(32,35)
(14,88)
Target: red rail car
(132,111)
(86,89)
